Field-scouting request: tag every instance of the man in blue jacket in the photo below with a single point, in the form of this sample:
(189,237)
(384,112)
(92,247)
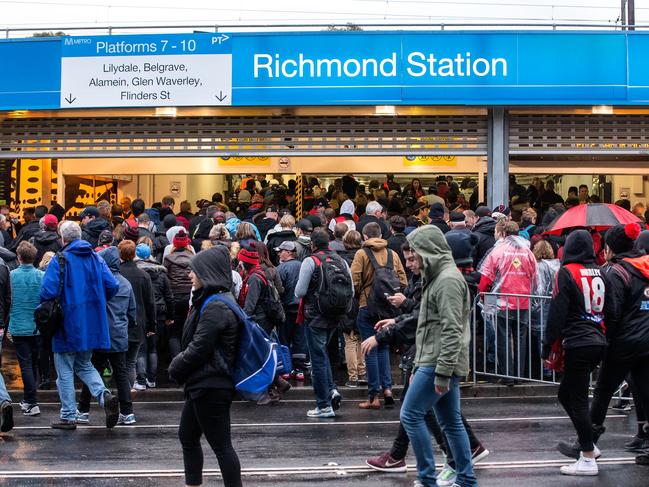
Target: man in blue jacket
(87,285)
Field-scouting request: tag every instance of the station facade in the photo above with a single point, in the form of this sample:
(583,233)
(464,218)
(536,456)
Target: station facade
(190,114)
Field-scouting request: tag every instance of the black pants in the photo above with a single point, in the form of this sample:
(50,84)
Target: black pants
(175,330)
(611,375)
(208,414)
(46,359)
(573,391)
(117,362)
(401,442)
(27,350)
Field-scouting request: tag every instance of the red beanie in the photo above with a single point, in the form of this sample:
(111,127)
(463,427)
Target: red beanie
(181,240)
(248,256)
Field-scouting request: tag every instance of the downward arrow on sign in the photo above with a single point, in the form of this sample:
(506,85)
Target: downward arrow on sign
(70,99)
(221,96)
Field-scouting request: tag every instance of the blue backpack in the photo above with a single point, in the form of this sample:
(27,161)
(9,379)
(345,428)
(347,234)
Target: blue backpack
(256,362)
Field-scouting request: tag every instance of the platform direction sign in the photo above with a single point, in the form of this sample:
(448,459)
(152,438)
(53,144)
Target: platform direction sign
(146,70)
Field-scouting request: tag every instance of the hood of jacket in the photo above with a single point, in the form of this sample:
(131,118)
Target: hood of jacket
(376,244)
(45,237)
(80,248)
(212,266)
(640,264)
(96,226)
(171,233)
(486,225)
(578,248)
(347,207)
(150,266)
(429,242)
(111,256)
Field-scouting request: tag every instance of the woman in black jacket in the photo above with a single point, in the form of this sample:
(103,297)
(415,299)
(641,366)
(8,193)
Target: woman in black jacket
(210,342)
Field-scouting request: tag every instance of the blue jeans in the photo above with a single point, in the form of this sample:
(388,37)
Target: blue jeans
(4,395)
(69,364)
(317,340)
(421,398)
(377,362)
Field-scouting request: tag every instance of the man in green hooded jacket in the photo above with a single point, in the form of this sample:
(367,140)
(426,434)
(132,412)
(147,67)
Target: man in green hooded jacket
(442,359)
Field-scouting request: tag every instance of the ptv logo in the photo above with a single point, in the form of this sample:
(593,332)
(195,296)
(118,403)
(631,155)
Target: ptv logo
(219,39)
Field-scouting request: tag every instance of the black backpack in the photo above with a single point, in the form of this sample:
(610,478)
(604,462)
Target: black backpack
(335,294)
(386,283)
(272,301)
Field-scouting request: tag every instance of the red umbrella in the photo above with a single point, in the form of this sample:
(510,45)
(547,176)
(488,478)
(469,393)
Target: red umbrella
(598,216)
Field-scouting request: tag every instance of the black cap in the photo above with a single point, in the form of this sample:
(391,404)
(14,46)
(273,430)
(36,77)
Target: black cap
(457,216)
(89,211)
(305,225)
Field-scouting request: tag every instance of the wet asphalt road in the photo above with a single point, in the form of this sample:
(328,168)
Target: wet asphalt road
(520,432)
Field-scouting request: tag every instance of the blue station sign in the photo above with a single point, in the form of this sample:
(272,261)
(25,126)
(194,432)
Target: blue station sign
(326,68)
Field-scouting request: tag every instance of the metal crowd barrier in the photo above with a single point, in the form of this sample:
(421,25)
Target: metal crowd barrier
(506,343)
(508,332)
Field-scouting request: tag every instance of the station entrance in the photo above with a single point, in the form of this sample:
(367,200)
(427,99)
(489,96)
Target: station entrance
(76,158)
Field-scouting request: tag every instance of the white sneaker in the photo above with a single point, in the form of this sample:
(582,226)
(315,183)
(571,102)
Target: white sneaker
(83,418)
(447,476)
(126,419)
(24,406)
(417,483)
(139,387)
(327,412)
(31,410)
(150,384)
(583,466)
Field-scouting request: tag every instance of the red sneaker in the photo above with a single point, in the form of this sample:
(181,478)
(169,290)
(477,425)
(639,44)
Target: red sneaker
(385,463)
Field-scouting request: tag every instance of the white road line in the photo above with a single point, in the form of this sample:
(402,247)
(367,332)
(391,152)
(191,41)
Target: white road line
(271,471)
(315,422)
(144,403)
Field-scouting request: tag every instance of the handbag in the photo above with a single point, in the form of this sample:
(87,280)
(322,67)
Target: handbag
(49,315)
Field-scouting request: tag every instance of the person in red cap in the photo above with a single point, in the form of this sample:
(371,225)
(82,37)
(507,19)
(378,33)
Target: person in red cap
(46,239)
(177,264)
(254,293)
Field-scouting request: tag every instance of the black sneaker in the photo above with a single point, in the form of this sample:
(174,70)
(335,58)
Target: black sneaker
(64,424)
(111,408)
(642,459)
(6,417)
(637,444)
(336,399)
(351,383)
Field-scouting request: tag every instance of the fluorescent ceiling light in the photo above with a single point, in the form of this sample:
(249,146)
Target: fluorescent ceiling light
(166,111)
(602,110)
(385,110)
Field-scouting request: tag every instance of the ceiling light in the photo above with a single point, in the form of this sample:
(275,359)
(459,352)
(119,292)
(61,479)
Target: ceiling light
(385,110)
(602,110)
(166,111)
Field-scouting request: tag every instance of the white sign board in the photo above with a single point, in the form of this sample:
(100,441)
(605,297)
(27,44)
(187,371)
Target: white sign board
(126,81)
(159,71)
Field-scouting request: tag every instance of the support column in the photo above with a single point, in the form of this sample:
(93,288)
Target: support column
(498,158)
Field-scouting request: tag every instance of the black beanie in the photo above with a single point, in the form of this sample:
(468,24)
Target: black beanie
(169,221)
(620,238)
(462,245)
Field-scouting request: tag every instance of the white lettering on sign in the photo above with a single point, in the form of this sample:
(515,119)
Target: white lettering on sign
(125,81)
(418,64)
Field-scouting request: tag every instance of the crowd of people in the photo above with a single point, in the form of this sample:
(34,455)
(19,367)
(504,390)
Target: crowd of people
(360,272)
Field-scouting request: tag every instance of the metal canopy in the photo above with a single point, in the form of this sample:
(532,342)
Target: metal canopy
(242,136)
